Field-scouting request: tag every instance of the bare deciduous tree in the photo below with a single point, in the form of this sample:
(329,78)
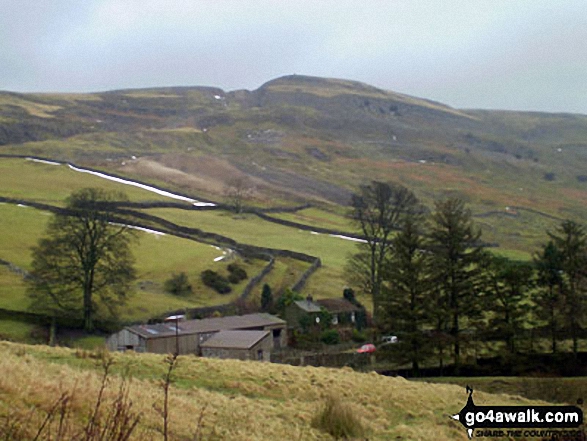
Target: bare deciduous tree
(237,191)
(377,211)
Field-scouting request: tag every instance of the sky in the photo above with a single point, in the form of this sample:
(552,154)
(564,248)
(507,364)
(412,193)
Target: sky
(491,54)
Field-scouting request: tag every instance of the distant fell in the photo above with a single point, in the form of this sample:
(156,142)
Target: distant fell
(309,139)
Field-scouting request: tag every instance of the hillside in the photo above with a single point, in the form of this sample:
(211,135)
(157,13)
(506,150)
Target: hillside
(175,239)
(298,140)
(302,142)
(235,400)
(306,139)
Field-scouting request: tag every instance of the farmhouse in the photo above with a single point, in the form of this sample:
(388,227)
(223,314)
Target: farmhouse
(190,335)
(341,310)
(301,310)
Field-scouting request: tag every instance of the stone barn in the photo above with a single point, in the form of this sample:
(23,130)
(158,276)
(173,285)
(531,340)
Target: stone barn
(242,345)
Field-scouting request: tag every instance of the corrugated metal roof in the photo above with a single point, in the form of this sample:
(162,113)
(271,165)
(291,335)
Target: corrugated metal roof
(207,325)
(157,330)
(235,339)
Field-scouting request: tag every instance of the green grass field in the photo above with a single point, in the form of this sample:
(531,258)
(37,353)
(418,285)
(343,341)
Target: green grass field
(250,229)
(157,258)
(51,184)
(254,231)
(21,228)
(284,274)
(19,331)
(12,290)
(318,218)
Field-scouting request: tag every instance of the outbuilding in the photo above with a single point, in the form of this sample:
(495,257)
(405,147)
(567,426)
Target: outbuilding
(187,338)
(242,345)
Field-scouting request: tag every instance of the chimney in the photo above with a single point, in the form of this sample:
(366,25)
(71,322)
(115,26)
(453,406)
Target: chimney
(309,299)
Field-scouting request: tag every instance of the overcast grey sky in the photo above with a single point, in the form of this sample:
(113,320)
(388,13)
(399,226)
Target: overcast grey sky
(506,54)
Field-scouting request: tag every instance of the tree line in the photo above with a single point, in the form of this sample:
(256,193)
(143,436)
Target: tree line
(433,282)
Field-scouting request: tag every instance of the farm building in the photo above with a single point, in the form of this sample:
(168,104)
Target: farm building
(242,345)
(164,338)
(341,310)
(298,310)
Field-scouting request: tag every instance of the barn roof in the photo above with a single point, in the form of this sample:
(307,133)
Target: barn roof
(157,330)
(216,324)
(235,339)
(232,322)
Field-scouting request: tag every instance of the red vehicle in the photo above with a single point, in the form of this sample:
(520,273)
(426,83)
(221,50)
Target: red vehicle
(367,349)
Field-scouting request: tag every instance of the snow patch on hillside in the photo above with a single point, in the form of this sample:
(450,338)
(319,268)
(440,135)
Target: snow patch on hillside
(142,186)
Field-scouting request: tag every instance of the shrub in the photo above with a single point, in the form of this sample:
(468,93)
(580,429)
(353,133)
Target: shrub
(306,341)
(305,322)
(216,281)
(358,336)
(236,273)
(330,337)
(361,319)
(338,419)
(349,294)
(266,298)
(287,298)
(549,176)
(209,277)
(325,318)
(234,278)
(178,285)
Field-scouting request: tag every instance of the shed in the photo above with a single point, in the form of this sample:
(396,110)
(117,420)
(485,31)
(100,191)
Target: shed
(242,345)
(160,338)
(163,338)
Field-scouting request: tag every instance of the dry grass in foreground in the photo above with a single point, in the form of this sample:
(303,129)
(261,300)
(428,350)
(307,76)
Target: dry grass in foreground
(221,399)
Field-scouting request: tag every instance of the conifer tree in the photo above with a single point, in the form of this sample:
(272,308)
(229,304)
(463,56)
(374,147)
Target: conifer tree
(406,292)
(456,253)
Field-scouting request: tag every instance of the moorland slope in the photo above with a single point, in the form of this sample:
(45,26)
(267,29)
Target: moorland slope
(307,139)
